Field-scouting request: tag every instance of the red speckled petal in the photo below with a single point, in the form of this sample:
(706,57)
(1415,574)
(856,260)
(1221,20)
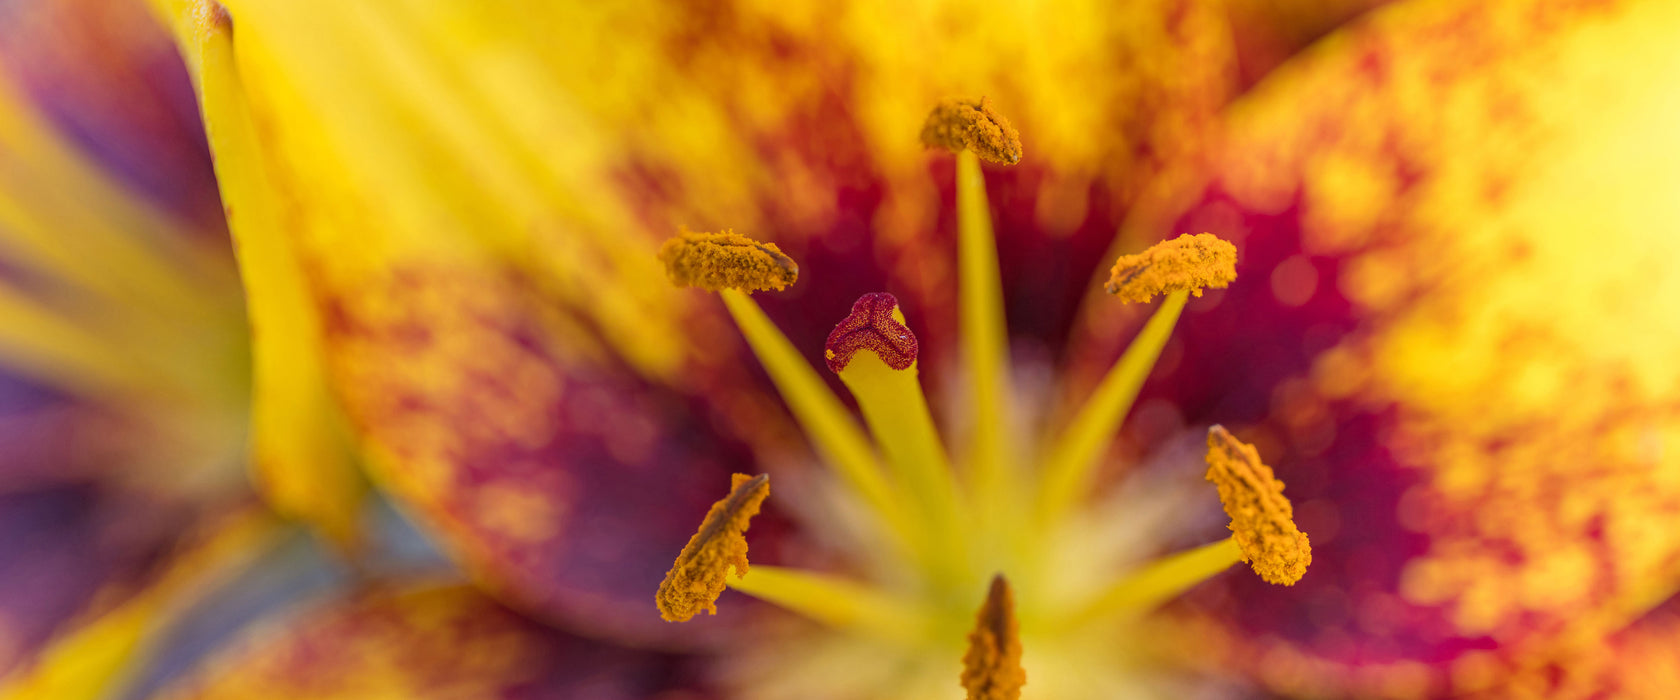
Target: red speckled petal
(1640,662)
(563,480)
(1452,331)
(425,643)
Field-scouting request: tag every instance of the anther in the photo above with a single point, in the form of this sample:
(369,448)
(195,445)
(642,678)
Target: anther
(1262,520)
(877,325)
(1185,263)
(697,578)
(718,261)
(992,667)
(957,124)
(210,16)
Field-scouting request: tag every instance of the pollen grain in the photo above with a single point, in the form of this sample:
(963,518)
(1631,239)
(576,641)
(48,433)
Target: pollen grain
(1262,520)
(1188,262)
(976,125)
(992,667)
(696,579)
(719,261)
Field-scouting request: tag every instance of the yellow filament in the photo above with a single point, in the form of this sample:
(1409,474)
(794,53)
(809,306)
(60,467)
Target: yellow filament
(1159,582)
(835,602)
(897,414)
(820,414)
(986,345)
(1074,458)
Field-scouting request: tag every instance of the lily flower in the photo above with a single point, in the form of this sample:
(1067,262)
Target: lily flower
(966,432)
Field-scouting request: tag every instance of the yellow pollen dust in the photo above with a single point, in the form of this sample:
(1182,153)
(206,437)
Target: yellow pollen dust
(696,579)
(992,667)
(957,124)
(719,261)
(1185,263)
(1262,520)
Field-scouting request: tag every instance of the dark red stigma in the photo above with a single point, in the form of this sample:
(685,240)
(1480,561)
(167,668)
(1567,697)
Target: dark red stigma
(871,326)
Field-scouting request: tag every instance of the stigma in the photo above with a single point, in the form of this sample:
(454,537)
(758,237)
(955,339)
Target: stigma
(1262,519)
(698,576)
(874,324)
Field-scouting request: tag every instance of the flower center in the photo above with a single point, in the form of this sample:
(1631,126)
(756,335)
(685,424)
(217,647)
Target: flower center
(938,532)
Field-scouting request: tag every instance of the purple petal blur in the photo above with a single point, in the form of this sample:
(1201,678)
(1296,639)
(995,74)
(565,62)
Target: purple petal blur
(428,642)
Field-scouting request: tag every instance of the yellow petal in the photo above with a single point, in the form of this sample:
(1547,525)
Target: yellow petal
(1490,190)
(300,451)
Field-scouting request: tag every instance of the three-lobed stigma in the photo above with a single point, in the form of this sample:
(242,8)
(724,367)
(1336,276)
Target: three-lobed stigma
(992,666)
(975,125)
(1262,519)
(719,261)
(1187,263)
(697,577)
(875,324)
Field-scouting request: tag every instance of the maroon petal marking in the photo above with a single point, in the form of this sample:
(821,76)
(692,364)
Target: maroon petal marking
(560,477)
(871,326)
(1363,459)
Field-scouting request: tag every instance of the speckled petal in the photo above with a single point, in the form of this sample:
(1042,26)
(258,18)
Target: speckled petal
(565,480)
(1452,327)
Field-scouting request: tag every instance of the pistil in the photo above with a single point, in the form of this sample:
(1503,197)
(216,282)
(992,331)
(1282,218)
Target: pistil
(875,355)
(831,429)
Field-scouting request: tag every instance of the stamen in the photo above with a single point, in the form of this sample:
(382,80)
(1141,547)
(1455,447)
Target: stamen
(875,324)
(886,384)
(992,667)
(718,261)
(838,603)
(1072,463)
(1262,520)
(957,124)
(698,576)
(1184,263)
